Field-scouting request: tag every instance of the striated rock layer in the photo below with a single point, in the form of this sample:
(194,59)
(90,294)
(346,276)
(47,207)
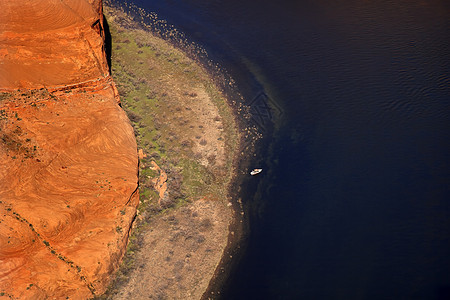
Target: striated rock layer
(68,177)
(51,43)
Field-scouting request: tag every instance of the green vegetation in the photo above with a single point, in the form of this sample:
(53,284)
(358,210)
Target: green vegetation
(158,85)
(146,70)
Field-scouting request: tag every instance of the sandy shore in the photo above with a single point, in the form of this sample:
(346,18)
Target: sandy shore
(183,124)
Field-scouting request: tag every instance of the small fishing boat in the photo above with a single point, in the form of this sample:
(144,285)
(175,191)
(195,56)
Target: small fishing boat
(255,171)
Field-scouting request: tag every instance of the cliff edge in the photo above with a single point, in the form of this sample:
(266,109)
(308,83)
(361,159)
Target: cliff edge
(68,180)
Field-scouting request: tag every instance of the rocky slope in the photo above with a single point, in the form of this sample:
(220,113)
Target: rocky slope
(68,180)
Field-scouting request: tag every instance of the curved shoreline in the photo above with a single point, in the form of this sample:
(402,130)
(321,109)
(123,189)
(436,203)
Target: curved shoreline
(148,218)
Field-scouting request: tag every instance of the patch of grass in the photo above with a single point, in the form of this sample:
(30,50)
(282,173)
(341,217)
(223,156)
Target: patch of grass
(146,103)
(155,83)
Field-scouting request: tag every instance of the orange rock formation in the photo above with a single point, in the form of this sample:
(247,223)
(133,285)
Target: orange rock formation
(68,177)
(160,182)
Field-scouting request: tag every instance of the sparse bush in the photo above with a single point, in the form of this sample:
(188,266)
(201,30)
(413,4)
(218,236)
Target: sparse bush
(155,155)
(200,239)
(140,44)
(205,224)
(185,143)
(151,95)
(156,125)
(156,137)
(190,94)
(167,201)
(133,116)
(175,183)
(211,158)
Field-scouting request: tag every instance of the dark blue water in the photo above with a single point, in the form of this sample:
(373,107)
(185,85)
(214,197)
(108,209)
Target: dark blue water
(354,202)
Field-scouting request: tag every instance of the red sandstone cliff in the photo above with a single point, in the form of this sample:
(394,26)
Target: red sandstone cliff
(68,175)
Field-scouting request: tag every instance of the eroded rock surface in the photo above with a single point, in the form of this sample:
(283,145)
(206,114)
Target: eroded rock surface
(51,43)
(68,180)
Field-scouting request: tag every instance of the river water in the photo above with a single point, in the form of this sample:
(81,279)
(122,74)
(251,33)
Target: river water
(354,200)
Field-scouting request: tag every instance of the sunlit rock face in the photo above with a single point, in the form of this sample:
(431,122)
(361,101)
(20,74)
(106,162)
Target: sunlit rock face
(50,43)
(68,177)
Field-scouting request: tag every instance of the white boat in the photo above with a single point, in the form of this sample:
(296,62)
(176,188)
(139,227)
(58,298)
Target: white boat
(255,171)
